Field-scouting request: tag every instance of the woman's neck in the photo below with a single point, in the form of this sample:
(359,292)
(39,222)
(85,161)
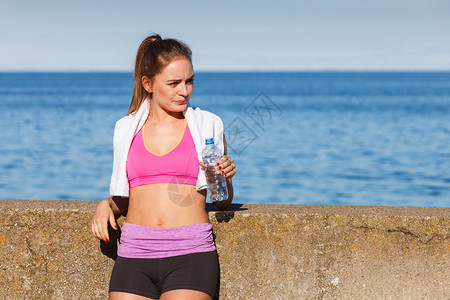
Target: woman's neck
(158,115)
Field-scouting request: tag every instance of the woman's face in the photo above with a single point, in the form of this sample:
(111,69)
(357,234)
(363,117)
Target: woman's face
(173,87)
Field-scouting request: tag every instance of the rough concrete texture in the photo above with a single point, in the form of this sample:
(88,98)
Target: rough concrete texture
(266,252)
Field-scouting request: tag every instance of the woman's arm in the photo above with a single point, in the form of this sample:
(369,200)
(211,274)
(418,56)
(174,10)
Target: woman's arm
(104,213)
(118,204)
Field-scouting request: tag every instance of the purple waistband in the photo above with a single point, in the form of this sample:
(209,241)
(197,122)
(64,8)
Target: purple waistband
(139,241)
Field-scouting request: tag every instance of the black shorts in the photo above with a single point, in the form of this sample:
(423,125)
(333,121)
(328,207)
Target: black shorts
(150,277)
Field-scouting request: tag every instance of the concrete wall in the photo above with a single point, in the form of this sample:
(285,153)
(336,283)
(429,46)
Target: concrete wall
(266,252)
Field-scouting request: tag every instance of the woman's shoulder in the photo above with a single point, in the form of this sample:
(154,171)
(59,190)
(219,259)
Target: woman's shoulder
(122,128)
(123,121)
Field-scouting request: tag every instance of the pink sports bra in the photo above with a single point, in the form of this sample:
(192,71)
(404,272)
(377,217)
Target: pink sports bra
(179,165)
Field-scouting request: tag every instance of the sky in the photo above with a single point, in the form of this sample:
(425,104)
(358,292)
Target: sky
(98,35)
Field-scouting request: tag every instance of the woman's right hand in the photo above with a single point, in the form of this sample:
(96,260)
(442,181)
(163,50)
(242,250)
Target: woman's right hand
(99,224)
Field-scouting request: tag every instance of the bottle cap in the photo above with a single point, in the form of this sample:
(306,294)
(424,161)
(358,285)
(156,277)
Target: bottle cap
(209,141)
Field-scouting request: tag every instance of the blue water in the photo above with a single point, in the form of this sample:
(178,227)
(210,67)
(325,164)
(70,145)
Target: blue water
(332,138)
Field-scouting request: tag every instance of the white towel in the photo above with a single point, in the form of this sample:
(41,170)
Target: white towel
(202,125)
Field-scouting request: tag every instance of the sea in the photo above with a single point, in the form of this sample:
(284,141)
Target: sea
(310,138)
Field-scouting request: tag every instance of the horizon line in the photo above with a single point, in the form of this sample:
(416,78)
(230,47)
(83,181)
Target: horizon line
(248,71)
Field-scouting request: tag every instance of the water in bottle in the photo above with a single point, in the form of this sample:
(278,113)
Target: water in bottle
(217,184)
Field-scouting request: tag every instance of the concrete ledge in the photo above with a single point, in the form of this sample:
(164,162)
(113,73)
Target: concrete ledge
(266,252)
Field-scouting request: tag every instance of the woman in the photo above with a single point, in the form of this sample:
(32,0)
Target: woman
(166,249)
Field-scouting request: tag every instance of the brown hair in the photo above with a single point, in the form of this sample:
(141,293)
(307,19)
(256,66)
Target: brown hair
(153,55)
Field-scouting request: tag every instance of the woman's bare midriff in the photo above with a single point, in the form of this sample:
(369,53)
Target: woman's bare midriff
(166,205)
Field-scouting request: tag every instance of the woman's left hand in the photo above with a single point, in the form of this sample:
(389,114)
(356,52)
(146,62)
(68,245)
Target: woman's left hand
(225,165)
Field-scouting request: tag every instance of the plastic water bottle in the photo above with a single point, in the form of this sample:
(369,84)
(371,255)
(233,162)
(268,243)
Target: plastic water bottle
(217,184)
